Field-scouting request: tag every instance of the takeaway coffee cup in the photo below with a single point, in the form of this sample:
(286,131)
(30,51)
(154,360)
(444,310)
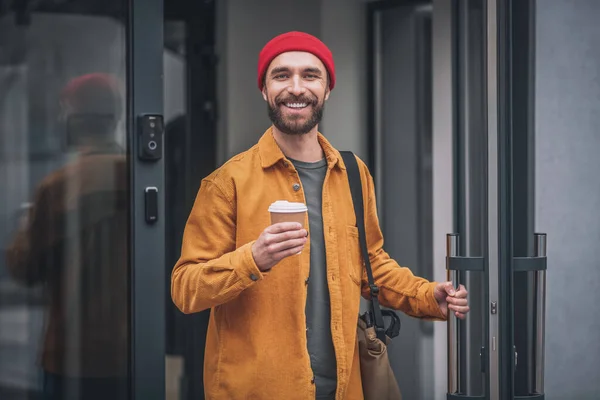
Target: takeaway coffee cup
(285,211)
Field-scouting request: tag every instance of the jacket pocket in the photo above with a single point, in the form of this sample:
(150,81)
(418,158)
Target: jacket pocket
(353,255)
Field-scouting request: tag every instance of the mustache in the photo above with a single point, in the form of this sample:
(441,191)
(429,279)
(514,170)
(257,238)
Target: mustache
(296,99)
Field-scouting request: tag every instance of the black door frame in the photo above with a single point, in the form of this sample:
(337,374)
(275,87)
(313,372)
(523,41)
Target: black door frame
(522,99)
(145,84)
(514,80)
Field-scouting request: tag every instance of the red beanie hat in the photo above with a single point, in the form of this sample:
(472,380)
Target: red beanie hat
(295,41)
(95,93)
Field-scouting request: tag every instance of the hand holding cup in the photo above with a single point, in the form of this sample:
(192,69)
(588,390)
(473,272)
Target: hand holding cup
(285,237)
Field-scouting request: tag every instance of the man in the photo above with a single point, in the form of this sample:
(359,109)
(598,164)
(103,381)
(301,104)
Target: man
(283,324)
(73,242)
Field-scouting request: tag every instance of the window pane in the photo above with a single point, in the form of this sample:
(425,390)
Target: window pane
(64,262)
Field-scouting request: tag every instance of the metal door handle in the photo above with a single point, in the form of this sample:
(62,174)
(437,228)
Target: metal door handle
(540,319)
(455,265)
(453,327)
(537,265)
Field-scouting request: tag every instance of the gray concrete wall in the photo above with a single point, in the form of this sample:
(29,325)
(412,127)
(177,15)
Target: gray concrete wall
(568,190)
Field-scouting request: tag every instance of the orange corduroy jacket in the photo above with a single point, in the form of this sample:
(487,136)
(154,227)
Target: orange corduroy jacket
(75,246)
(256,343)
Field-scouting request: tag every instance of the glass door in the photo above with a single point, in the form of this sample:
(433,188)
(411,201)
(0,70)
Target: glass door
(499,352)
(485,50)
(81,213)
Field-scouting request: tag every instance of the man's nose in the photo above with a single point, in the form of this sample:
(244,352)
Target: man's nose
(296,87)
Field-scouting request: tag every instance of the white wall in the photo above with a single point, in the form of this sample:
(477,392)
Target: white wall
(244,27)
(443,171)
(568,190)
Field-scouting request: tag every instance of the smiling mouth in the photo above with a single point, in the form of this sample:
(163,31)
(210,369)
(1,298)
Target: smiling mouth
(296,106)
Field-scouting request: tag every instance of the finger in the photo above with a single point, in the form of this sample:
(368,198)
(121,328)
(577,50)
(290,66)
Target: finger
(461,292)
(460,309)
(449,288)
(279,247)
(274,238)
(288,235)
(460,315)
(457,301)
(288,252)
(284,227)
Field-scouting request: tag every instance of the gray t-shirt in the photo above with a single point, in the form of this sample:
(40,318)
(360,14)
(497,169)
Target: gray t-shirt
(318,312)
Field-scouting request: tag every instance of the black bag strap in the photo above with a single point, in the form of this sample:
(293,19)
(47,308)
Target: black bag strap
(359,211)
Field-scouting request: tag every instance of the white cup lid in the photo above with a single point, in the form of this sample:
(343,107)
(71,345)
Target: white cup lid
(283,206)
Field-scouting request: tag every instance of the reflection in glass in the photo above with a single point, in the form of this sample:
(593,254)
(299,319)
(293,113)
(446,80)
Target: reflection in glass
(64,211)
(176,168)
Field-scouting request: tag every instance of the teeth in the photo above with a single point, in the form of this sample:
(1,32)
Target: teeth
(296,105)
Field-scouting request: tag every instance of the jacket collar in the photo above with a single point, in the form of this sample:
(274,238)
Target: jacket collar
(271,154)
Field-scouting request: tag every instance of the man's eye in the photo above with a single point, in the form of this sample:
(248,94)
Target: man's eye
(281,76)
(311,76)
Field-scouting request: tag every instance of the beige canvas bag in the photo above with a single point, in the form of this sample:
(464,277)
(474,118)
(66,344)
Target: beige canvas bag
(378,379)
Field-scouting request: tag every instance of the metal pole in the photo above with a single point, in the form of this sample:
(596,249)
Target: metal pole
(540,315)
(453,334)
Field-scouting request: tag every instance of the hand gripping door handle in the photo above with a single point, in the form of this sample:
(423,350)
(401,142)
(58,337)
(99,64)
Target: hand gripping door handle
(457,368)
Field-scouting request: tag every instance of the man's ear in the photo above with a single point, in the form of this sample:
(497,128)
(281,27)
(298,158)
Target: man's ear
(327,93)
(264,92)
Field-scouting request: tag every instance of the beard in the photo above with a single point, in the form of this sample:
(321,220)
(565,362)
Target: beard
(294,125)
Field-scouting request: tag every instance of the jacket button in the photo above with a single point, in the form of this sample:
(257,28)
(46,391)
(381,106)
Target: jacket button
(296,187)
(306,280)
(253,277)
(312,380)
